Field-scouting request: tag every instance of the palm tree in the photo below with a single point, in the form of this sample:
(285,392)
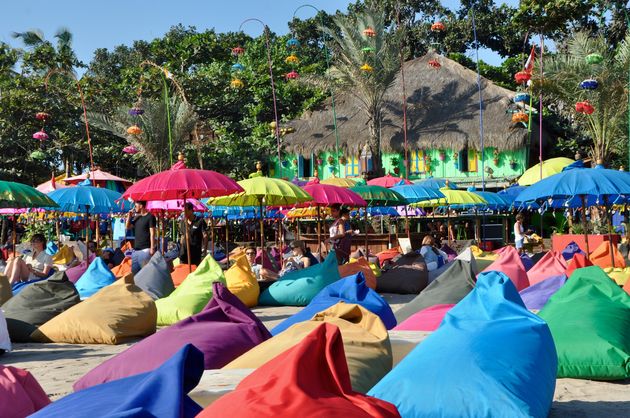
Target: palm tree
(563,74)
(365,65)
(64,60)
(152,143)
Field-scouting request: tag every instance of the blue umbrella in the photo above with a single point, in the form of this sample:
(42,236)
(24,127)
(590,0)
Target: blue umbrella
(511,192)
(436,183)
(415,193)
(495,201)
(88,199)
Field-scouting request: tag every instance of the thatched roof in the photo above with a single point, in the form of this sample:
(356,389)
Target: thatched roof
(442,112)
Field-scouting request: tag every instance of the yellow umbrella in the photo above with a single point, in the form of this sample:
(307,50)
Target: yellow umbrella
(549,168)
(309,212)
(339,182)
(454,199)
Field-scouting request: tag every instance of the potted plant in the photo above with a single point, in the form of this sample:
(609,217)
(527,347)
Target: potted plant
(512,163)
(442,155)
(343,160)
(295,161)
(319,161)
(331,160)
(496,157)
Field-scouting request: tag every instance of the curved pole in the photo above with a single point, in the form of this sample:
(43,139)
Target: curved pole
(332,92)
(273,85)
(404,95)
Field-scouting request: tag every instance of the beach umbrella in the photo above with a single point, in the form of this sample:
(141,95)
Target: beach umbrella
(339,181)
(495,201)
(88,199)
(511,192)
(174,205)
(435,183)
(414,193)
(388,181)
(53,184)
(549,167)
(102,179)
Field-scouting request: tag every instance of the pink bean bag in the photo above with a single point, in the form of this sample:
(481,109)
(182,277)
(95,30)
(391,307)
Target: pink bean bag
(428,319)
(20,394)
(552,264)
(509,263)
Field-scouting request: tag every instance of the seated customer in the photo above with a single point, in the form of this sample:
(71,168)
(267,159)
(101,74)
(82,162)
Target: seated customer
(36,265)
(264,276)
(300,258)
(433,256)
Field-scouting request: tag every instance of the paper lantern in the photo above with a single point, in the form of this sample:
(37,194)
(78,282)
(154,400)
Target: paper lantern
(237,51)
(435,64)
(130,149)
(134,130)
(367,68)
(237,67)
(520,117)
(292,60)
(589,84)
(438,27)
(369,32)
(522,98)
(522,77)
(584,107)
(43,116)
(367,50)
(594,58)
(40,135)
(293,43)
(136,111)
(38,155)
(292,75)
(236,83)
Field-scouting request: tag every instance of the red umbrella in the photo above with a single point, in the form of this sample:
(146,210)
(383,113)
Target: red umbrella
(388,181)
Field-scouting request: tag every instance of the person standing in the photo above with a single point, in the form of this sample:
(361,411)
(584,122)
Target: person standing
(519,233)
(196,236)
(340,233)
(143,224)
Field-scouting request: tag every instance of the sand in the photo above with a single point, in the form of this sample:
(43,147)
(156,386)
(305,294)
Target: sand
(57,366)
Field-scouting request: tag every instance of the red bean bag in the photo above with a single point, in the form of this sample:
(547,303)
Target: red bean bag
(180,272)
(552,264)
(123,268)
(578,261)
(509,263)
(361,265)
(387,255)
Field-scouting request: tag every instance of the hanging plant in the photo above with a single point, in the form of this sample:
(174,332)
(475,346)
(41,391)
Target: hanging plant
(331,160)
(343,160)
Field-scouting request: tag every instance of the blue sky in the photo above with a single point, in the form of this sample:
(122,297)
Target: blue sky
(105,24)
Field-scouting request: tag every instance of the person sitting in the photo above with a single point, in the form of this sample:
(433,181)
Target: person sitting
(265,277)
(36,265)
(433,257)
(300,258)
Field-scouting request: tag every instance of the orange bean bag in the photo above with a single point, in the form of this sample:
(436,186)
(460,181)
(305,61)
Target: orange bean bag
(387,255)
(123,269)
(601,256)
(578,261)
(180,272)
(362,265)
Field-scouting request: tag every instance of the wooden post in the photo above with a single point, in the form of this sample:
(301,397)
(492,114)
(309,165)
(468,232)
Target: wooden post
(227,239)
(187,237)
(584,225)
(609,227)
(367,251)
(319,234)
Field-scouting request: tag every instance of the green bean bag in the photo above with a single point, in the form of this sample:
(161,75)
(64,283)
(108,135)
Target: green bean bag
(297,288)
(192,295)
(589,318)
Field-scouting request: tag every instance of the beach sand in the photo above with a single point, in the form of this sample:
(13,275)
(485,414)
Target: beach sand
(57,366)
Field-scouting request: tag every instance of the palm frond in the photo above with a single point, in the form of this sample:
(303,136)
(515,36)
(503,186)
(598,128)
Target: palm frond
(31,38)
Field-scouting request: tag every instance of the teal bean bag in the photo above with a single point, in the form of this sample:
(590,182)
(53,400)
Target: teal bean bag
(192,295)
(96,277)
(298,288)
(589,318)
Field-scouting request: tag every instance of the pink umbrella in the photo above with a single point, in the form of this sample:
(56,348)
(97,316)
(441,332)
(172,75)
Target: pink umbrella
(175,205)
(50,185)
(97,176)
(388,181)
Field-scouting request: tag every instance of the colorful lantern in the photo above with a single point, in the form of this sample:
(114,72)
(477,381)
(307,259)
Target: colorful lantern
(367,50)
(435,64)
(522,77)
(589,84)
(38,155)
(367,68)
(369,32)
(522,98)
(236,51)
(292,60)
(134,130)
(437,27)
(584,107)
(42,116)
(520,117)
(293,75)
(130,149)
(293,43)
(236,83)
(40,135)
(237,67)
(594,58)
(136,111)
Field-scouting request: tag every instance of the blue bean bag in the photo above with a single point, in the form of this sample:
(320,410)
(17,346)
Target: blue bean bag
(491,357)
(351,289)
(19,286)
(96,277)
(528,263)
(298,288)
(162,392)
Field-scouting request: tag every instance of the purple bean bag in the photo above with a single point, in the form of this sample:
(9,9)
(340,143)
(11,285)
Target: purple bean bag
(223,330)
(537,295)
(570,250)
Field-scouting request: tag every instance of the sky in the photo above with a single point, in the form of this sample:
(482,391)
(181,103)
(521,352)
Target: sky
(105,24)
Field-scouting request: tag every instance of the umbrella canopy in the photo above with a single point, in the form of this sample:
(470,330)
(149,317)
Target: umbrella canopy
(96,176)
(599,186)
(511,192)
(434,183)
(234,212)
(264,190)
(95,200)
(456,199)
(308,212)
(325,194)
(377,211)
(388,181)
(53,184)
(495,201)
(339,182)
(379,196)
(414,193)
(180,182)
(18,195)
(549,168)
(175,205)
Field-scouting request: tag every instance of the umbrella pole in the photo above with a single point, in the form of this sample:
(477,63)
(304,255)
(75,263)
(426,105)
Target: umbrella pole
(98,230)
(588,255)
(87,235)
(297,229)
(227,236)
(448,225)
(262,232)
(14,236)
(406,224)
(187,241)
(212,236)
(319,234)
(609,226)
(367,251)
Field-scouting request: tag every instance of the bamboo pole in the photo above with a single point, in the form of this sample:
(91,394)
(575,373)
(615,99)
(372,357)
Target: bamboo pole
(584,225)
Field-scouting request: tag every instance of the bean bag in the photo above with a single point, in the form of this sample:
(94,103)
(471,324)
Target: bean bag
(38,304)
(589,318)
(352,289)
(115,314)
(180,272)
(310,379)
(224,330)
(365,339)
(269,260)
(162,392)
(509,262)
(490,357)
(601,256)
(64,256)
(428,319)
(96,277)
(570,250)
(387,255)
(5,289)
(451,287)
(241,281)
(484,259)
(192,295)
(75,273)
(372,262)
(122,269)
(408,275)
(18,287)
(20,394)
(552,264)
(578,261)
(359,265)
(466,255)
(528,263)
(451,253)
(298,288)
(626,287)
(537,295)
(537,256)
(118,257)
(154,278)
(5,340)
(619,275)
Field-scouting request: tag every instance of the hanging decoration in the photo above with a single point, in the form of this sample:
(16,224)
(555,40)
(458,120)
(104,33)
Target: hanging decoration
(594,59)
(292,60)
(38,155)
(134,130)
(435,64)
(130,149)
(367,50)
(369,32)
(520,117)
(42,116)
(438,27)
(293,44)
(237,68)
(237,51)
(293,75)
(522,98)
(367,68)
(584,107)
(40,135)
(589,84)
(522,77)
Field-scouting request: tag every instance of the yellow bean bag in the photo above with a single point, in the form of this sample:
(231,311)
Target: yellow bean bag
(375,269)
(365,341)
(241,281)
(483,259)
(115,314)
(5,289)
(64,256)
(619,275)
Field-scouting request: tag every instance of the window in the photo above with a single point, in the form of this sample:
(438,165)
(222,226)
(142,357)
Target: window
(467,160)
(366,160)
(352,167)
(472,161)
(305,167)
(417,161)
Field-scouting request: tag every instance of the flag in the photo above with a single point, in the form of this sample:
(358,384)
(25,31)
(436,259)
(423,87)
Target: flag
(529,64)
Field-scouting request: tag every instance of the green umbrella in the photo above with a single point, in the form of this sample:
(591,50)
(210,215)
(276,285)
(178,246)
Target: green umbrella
(18,195)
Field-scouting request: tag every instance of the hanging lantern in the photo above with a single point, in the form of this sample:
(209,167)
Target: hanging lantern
(42,116)
(367,50)
(522,98)
(134,130)
(236,51)
(522,77)
(369,32)
(40,135)
(292,60)
(435,64)
(589,84)
(237,67)
(293,75)
(136,111)
(293,43)
(437,27)
(520,117)
(584,107)
(38,155)
(130,149)
(594,59)
(367,68)
(236,83)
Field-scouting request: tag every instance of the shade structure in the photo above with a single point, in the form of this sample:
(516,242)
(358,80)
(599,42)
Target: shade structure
(456,199)
(53,184)
(18,195)
(174,205)
(325,194)
(388,181)
(96,176)
(266,191)
(549,167)
(180,182)
(414,193)
(339,182)
(379,196)
(436,183)
(95,200)
(495,201)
